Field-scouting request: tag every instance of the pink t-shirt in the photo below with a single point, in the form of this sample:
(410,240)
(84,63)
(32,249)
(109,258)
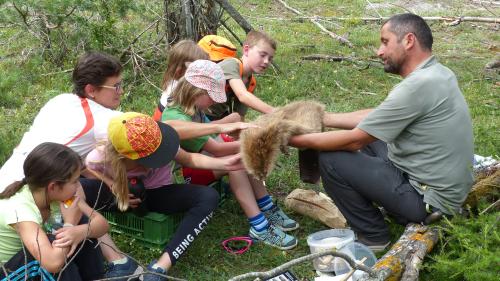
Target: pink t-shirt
(152,178)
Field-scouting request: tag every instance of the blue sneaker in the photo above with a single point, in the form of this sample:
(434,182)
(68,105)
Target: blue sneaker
(278,218)
(117,270)
(275,237)
(154,277)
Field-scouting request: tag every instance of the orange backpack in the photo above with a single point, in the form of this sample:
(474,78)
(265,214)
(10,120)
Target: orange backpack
(217,47)
(220,48)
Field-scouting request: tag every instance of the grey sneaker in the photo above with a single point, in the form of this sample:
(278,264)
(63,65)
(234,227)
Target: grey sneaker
(278,218)
(275,237)
(376,247)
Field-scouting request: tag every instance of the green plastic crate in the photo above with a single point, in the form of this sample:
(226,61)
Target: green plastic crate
(153,229)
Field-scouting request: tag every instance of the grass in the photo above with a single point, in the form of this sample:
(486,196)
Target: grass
(468,249)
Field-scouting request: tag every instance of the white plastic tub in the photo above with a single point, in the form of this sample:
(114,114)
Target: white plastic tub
(326,240)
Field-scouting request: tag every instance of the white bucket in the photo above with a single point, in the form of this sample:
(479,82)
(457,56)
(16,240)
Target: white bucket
(326,240)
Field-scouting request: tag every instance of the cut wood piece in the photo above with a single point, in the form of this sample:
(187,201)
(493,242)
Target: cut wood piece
(317,206)
(403,260)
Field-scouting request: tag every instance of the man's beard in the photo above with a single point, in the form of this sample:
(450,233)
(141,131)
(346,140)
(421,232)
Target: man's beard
(395,66)
(392,67)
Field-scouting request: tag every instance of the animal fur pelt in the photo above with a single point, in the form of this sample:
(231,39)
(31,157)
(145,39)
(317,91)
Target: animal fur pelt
(260,146)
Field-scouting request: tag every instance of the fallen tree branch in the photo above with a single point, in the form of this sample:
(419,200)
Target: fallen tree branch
(406,255)
(326,57)
(443,18)
(315,21)
(282,268)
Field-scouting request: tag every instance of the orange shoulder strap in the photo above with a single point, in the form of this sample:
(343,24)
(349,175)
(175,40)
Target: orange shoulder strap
(88,116)
(253,83)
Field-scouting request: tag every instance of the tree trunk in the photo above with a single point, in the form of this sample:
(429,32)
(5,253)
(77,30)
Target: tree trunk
(187,19)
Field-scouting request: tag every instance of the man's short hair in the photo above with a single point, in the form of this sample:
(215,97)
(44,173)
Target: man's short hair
(254,37)
(94,68)
(403,24)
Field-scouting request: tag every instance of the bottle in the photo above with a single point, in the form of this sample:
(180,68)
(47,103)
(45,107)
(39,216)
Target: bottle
(136,187)
(54,222)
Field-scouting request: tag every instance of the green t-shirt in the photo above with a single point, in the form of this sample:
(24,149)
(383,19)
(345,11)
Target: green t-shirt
(18,208)
(176,113)
(426,124)
(231,68)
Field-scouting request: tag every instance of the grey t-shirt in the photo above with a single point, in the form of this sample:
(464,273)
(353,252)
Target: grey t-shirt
(231,69)
(426,124)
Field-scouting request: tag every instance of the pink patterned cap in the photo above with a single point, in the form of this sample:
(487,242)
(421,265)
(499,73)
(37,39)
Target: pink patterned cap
(209,76)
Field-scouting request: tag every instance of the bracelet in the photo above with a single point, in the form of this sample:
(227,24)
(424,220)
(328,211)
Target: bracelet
(66,224)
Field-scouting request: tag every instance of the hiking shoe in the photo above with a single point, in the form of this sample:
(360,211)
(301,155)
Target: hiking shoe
(154,277)
(117,270)
(278,218)
(376,247)
(275,237)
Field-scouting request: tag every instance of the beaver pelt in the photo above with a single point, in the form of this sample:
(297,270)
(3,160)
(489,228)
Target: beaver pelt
(260,146)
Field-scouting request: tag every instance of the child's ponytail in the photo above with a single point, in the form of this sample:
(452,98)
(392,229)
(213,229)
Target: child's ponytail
(12,189)
(120,181)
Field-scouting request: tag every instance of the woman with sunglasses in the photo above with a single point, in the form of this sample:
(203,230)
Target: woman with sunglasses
(79,120)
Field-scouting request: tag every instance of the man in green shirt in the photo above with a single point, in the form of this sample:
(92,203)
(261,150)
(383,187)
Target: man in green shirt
(412,154)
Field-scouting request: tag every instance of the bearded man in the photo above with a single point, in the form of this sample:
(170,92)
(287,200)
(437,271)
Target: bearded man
(412,154)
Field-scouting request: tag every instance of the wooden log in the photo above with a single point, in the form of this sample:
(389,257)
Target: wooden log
(488,186)
(406,255)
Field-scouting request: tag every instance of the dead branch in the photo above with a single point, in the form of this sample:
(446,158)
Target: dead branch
(282,268)
(491,3)
(492,206)
(138,36)
(326,57)
(406,255)
(235,15)
(315,21)
(443,18)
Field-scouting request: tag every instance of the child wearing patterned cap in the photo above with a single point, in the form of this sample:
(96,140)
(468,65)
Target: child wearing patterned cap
(202,86)
(143,149)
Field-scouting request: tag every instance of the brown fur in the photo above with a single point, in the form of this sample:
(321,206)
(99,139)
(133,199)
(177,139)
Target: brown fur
(260,146)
